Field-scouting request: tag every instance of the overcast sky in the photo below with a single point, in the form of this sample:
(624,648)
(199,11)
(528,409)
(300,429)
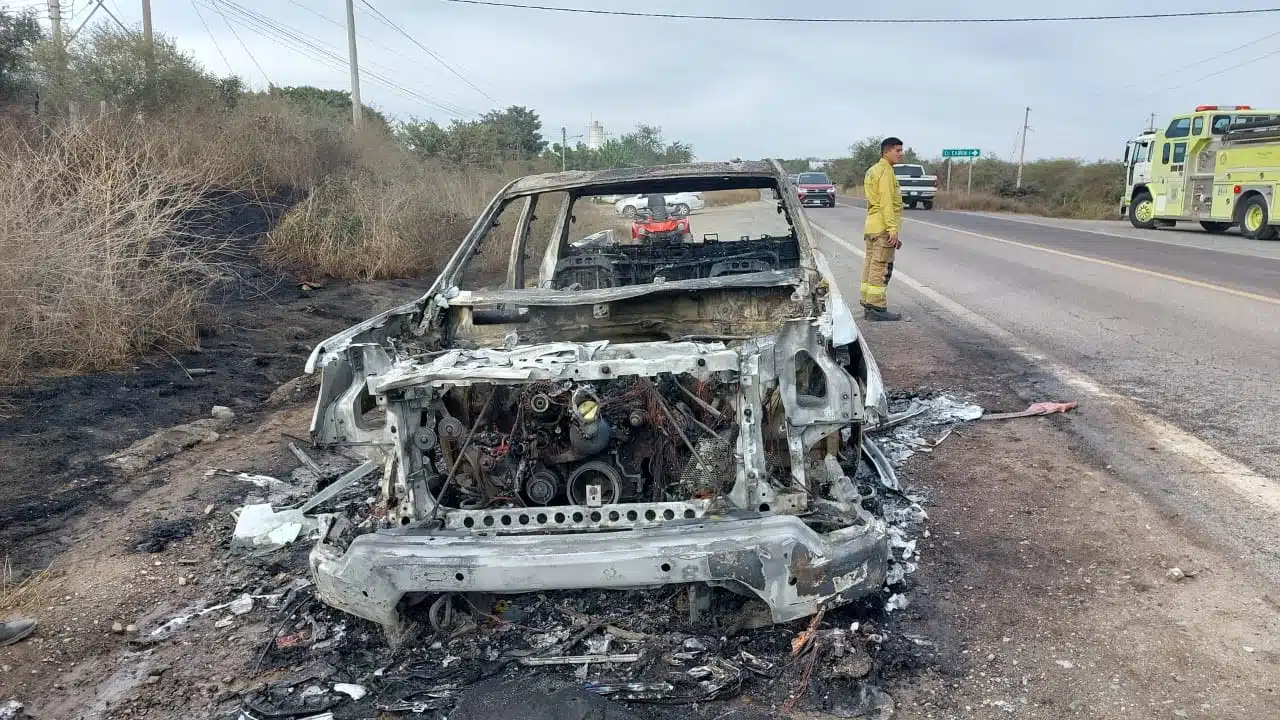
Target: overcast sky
(768,89)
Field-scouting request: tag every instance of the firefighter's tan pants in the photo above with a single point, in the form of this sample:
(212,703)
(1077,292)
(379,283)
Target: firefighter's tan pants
(877,267)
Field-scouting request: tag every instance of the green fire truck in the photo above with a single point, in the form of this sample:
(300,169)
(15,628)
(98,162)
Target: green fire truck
(1219,166)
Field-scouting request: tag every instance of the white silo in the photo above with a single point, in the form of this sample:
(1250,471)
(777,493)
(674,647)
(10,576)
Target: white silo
(595,135)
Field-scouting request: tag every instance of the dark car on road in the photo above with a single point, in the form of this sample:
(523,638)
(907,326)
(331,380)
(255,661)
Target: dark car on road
(815,188)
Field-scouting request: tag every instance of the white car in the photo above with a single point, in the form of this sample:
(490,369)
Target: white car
(677,203)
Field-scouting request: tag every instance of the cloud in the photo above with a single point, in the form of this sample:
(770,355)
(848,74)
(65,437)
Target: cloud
(756,89)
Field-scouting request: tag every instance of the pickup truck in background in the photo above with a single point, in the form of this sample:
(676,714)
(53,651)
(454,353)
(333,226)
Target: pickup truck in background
(916,185)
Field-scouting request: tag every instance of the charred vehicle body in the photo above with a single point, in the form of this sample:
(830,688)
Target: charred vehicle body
(611,415)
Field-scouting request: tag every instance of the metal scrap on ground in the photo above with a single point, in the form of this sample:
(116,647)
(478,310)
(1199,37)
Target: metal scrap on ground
(628,646)
(1040,408)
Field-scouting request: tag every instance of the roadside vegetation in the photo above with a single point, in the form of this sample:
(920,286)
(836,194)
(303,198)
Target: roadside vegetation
(1058,187)
(109,178)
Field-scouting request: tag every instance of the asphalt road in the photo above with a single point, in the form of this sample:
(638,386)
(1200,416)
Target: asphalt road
(1183,326)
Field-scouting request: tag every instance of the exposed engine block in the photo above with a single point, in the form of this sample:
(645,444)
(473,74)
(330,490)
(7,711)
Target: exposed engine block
(579,443)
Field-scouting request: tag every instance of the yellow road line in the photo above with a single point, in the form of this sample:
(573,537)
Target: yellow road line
(1110,263)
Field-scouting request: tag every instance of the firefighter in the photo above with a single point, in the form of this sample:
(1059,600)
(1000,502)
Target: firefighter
(884,220)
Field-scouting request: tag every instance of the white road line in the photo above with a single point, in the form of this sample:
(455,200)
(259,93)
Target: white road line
(1040,223)
(1232,474)
(1140,238)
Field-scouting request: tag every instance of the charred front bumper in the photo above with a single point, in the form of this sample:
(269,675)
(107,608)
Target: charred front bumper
(778,558)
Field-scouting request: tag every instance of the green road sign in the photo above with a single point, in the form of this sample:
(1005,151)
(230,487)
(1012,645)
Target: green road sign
(960,152)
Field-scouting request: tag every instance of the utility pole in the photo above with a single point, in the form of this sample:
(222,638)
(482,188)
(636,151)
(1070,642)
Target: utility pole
(357,110)
(149,53)
(1022,154)
(564,141)
(59,44)
(55,19)
(148,40)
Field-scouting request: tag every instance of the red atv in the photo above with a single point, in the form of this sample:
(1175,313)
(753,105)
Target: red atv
(656,225)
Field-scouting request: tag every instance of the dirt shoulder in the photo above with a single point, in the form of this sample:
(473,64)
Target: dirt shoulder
(1044,585)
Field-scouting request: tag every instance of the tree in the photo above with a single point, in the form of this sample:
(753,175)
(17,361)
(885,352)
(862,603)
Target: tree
(865,153)
(644,147)
(862,155)
(424,138)
(515,132)
(324,101)
(20,33)
(463,143)
(647,147)
(109,63)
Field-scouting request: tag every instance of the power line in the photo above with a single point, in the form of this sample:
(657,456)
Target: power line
(1188,66)
(868,21)
(1223,70)
(76,13)
(340,24)
(311,47)
(393,51)
(427,50)
(291,39)
(336,56)
(244,47)
(1197,63)
(211,37)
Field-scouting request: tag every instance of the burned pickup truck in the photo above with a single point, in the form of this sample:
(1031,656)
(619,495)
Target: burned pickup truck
(619,409)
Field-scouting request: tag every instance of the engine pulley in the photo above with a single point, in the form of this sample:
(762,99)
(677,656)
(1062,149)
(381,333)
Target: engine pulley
(594,473)
(542,487)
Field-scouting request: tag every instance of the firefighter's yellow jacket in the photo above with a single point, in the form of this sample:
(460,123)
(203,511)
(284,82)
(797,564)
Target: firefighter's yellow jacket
(884,199)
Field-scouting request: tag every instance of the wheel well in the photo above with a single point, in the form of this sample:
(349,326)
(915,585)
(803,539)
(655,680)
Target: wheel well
(1138,190)
(1237,212)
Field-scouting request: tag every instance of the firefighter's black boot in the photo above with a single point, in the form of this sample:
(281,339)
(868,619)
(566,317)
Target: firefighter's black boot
(879,315)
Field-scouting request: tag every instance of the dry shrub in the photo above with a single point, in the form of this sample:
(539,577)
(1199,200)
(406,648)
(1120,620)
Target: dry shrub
(268,144)
(18,594)
(720,198)
(365,227)
(97,266)
(985,202)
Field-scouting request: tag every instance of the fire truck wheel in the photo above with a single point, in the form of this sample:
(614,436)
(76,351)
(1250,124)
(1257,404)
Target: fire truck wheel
(1255,219)
(1142,211)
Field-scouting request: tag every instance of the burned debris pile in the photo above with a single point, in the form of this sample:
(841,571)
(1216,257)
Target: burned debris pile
(646,648)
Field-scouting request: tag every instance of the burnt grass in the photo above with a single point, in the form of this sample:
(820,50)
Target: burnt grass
(55,431)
